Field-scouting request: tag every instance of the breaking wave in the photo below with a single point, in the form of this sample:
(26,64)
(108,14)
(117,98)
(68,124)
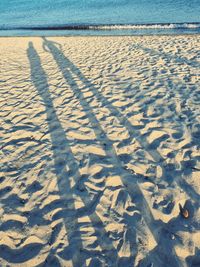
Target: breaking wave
(193,25)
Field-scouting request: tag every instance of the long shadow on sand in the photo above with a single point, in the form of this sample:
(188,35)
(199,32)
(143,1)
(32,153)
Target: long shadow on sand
(163,249)
(64,164)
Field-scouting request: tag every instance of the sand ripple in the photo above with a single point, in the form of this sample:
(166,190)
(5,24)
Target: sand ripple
(99,141)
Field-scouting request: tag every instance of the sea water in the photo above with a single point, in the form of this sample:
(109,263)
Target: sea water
(91,17)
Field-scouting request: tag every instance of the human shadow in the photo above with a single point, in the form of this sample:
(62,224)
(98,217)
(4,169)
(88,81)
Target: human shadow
(64,63)
(66,168)
(117,168)
(67,68)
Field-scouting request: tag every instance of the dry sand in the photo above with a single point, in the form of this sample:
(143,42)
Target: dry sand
(99,142)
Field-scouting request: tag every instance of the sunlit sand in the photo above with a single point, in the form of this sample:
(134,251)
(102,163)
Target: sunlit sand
(99,159)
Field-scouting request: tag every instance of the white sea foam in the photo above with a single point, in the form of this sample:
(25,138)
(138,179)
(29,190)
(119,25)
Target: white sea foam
(146,26)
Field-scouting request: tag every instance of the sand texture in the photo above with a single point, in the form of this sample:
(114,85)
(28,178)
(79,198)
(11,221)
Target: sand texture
(100,149)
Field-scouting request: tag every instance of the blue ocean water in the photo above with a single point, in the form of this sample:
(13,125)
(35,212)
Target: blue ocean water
(55,17)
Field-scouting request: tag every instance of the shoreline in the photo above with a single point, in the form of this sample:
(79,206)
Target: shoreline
(113,36)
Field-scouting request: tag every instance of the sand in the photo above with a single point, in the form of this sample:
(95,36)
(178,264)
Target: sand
(99,141)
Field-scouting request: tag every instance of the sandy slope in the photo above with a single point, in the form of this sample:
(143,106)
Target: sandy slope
(99,145)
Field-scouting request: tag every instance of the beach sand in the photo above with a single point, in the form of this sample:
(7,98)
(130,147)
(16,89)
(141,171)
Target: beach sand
(99,141)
